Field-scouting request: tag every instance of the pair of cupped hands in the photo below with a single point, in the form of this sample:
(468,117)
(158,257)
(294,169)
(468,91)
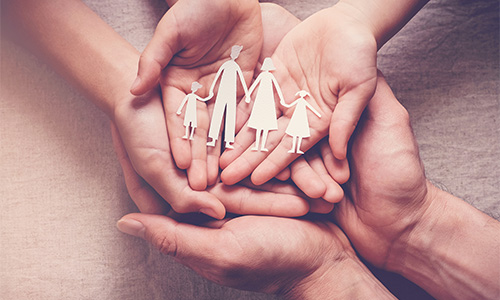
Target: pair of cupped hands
(266,226)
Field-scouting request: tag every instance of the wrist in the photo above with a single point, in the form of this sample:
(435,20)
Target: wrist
(346,278)
(452,251)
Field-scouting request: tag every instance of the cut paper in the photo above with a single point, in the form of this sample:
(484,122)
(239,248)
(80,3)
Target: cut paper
(190,119)
(298,128)
(228,73)
(263,116)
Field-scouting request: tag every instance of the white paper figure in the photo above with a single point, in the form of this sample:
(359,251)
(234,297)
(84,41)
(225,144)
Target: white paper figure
(226,99)
(263,116)
(190,119)
(298,127)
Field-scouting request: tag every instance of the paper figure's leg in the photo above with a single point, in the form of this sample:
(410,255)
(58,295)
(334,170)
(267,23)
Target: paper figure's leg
(298,146)
(257,140)
(230,124)
(187,132)
(264,139)
(215,123)
(294,142)
(192,133)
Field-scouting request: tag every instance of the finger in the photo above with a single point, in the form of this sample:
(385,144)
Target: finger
(157,54)
(346,115)
(307,179)
(181,147)
(320,206)
(213,154)
(246,162)
(143,195)
(243,140)
(333,191)
(284,175)
(242,200)
(197,171)
(338,169)
(180,240)
(151,157)
(280,156)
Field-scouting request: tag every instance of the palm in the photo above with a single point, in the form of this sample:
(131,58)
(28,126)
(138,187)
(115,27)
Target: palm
(333,63)
(203,46)
(246,246)
(150,154)
(387,187)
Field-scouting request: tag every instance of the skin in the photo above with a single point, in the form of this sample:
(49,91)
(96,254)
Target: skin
(340,75)
(76,42)
(393,217)
(195,53)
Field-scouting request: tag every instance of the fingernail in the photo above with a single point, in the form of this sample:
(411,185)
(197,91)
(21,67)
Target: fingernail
(209,212)
(135,83)
(132,227)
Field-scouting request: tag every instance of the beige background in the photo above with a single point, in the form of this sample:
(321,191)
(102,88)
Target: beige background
(61,188)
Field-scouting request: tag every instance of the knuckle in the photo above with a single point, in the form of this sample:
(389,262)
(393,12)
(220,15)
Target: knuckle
(165,245)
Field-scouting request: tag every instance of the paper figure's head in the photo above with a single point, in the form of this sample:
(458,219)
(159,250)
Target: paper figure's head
(195,86)
(302,94)
(268,65)
(235,51)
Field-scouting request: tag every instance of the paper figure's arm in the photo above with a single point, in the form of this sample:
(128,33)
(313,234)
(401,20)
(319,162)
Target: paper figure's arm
(204,99)
(243,83)
(252,88)
(182,104)
(212,87)
(313,109)
(278,89)
(282,102)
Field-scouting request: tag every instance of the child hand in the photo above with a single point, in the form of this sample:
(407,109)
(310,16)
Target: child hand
(194,38)
(332,55)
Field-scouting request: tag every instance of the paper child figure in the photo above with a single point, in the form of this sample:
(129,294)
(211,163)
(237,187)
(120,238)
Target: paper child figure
(263,116)
(226,99)
(299,124)
(190,115)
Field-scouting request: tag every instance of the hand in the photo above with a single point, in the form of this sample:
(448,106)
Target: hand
(149,155)
(275,200)
(265,254)
(387,193)
(319,175)
(332,55)
(194,39)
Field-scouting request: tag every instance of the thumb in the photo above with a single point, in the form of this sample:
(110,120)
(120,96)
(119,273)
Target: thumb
(181,240)
(346,115)
(157,54)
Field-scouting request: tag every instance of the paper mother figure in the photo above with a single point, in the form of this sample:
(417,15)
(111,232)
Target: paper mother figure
(263,116)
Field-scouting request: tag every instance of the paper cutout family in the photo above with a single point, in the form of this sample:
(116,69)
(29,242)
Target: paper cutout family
(263,115)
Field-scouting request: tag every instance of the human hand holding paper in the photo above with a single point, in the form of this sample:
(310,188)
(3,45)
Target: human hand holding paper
(194,39)
(335,61)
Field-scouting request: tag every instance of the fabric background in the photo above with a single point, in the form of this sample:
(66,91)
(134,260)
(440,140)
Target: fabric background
(62,190)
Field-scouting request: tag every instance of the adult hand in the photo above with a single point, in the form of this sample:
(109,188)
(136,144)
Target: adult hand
(298,258)
(400,222)
(194,39)
(332,55)
(387,193)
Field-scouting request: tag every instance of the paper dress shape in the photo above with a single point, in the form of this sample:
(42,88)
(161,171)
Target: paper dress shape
(263,116)
(190,119)
(298,127)
(228,73)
